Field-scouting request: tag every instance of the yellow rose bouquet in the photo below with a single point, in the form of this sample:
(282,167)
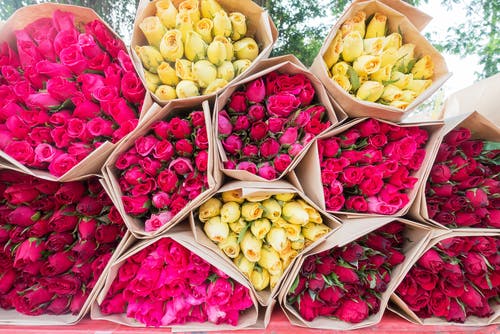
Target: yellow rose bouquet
(196,47)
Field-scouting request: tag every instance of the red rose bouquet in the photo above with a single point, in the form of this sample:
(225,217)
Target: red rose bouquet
(167,284)
(66,87)
(56,239)
(455,279)
(464,183)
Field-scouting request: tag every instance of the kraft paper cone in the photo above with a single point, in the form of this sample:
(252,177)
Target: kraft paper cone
(92,164)
(183,236)
(399,307)
(308,170)
(111,173)
(248,188)
(481,128)
(288,64)
(396,21)
(259,23)
(417,236)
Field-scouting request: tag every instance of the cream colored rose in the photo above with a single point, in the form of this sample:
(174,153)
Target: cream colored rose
(251,246)
(167,13)
(230,212)
(171,46)
(153,29)
(246,48)
(389,57)
(205,73)
(186,88)
(260,227)
(230,246)
(275,279)
(293,231)
(370,91)
(423,68)
(270,260)
(251,211)
(314,216)
(408,95)
(238,25)
(340,68)
(352,47)
(184,69)
(184,24)
(204,28)
(150,57)
(222,24)
(391,93)
(405,55)
(165,92)
(245,266)
(418,86)
(373,46)
(191,8)
(342,81)
(208,8)
(294,213)
(194,47)
(226,71)
(272,209)
(367,64)
(215,86)
(355,23)
(333,51)
(377,26)
(393,40)
(260,278)
(241,65)
(216,230)
(383,74)
(276,237)
(167,74)
(313,231)
(209,209)
(400,79)
(238,225)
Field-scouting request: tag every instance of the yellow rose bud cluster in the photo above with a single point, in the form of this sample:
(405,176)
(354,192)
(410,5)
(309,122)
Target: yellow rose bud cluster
(376,66)
(262,234)
(194,49)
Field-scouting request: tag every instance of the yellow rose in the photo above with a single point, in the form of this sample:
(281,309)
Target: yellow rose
(225,71)
(352,47)
(153,29)
(222,24)
(257,197)
(171,47)
(232,196)
(394,40)
(313,214)
(191,8)
(204,28)
(214,86)
(259,278)
(216,53)
(294,213)
(230,246)
(251,211)
(230,212)
(245,266)
(280,222)
(391,93)
(183,23)
(418,86)
(313,231)
(246,48)
(238,25)
(229,46)
(270,260)
(367,64)
(167,74)
(287,256)
(276,237)
(150,57)
(209,209)
(340,68)
(167,13)
(370,91)
(205,73)
(405,56)
(333,51)
(342,81)
(272,209)
(408,95)
(423,68)
(260,227)
(241,65)
(216,230)
(400,79)
(399,104)
(377,26)
(355,23)
(284,197)
(195,48)
(298,244)
(186,88)
(383,74)
(184,69)
(251,246)
(293,231)
(238,225)
(208,8)
(152,81)
(373,46)
(389,57)
(275,279)
(165,92)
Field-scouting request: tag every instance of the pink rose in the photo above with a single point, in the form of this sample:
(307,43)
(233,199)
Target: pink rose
(295,149)
(179,128)
(201,138)
(249,150)
(144,145)
(197,118)
(232,144)
(256,112)
(477,197)
(248,166)
(369,127)
(282,104)
(137,205)
(181,166)
(224,124)
(167,181)
(255,91)
(201,161)
(276,124)
(99,126)
(61,89)
(86,228)
(30,251)
(61,164)
(440,173)
(335,202)
(90,83)
(22,216)
(73,58)
(375,205)
(258,131)
(237,103)
(356,203)
(267,171)
(289,136)
(352,311)
(281,162)
(21,151)
(242,123)
(269,148)
(120,111)
(184,147)
(163,150)
(20,193)
(132,88)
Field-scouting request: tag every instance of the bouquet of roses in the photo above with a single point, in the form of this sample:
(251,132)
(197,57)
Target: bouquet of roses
(67,87)
(167,284)
(455,279)
(464,182)
(56,239)
(268,121)
(161,169)
(347,282)
(190,48)
(371,166)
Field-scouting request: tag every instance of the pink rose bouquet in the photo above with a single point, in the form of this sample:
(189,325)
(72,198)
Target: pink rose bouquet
(56,239)
(65,89)
(166,284)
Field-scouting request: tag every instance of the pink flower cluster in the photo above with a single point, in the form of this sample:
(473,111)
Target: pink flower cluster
(369,167)
(166,284)
(457,278)
(56,239)
(63,92)
(165,169)
(346,282)
(464,182)
(268,121)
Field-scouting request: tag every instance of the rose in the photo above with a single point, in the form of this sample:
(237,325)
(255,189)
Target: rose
(29,252)
(224,124)
(258,130)
(237,103)
(457,136)
(23,216)
(135,205)
(269,148)
(289,136)
(308,308)
(132,88)
(232,144)
(255,91)
(282,104)
(352,311)
(281,162)
(474,264)
(267,171)
(477,197)
(256,112)
(276,124)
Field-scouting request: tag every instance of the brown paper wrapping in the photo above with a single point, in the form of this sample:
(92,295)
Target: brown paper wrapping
(396,20)
(417,236)
(481,128)
(94,161)
(309,173)
(266,296)
(183,236)
(259,23)
(111,173)
(285,64)
(399,307)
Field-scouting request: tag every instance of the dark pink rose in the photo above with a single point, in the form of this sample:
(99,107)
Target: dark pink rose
(432,261)
(201,161)
(57,242)
(457,136)
(105,234)
(121,111)
(329,147)
(224,124)
(29,252)
(242,123)
(356,203)
(61,89)
(137,205)
(256,112)
(477,197)
(282,104)
(440,173)
(466,219)
(269,148)
(184,147)
(89,206)
(267,171)
(369,127)
(237,103)
(281,162)
(201,138)
(249,150)
(64,219)
(20,193)
(276,124)
(352,311)
(22,216)
(167,180)
(99,126)
(349,137)
(258,131)
(70,192)
(248,166)
(292,84)
(73,58)
(86,228)
(163,150)
(289,136)
(376,205)
(181,166)
(144,145)
(255,91)
(132,88)
(335,202)
(232,144)
(61,164)
(295,149)
(179,128)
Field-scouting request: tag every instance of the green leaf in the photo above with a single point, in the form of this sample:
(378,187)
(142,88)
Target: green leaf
(36,216)
(294,285)
(491,146)
(410,65)
(389,82)
(353,78)
(242,232)
(400,31)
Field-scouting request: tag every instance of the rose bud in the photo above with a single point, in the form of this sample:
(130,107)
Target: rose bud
(246,48)
(352,46)
(313,214)
(238,24)
(225,71)
(153,29)
(195,47)
(230,212)
(241,65)
(167,12)
(167,74)
(204,28)
(184,69)
(313,231)
(276,237)
(215,86)
(251,246)
(373,46)
(284,197)
(267,171)
(293,231)
(260,227)
(23,216)
(184,23)
(270,260)
(258,131)
(209,209)
(288,254)
(423,68)
(152,80)
(477,197)
(401,80)
(232,144)
(216,230)
(272,209)
(250,151)
(238,225)
(383,74)
(333,51)
(256,91)
(186,88)
(440,173)
(251,211)
(171,47)
(377,26)
(245,266)
(222,24)
(355,23)
(230,246)
(367,64)
(204,72)
(232,196)
(260,278)
(294,213)
(289,136)
(418,86)
(217,53)
(370,91)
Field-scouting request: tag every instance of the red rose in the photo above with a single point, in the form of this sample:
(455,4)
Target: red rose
(308,307)
(418,301)
(105,234)
(242,123)
(59,305)
(7,279)
(346,275)
(472,148)
(281,162)
(258,131)
(369,127)
(167,180)
(29,302)
(456,312)
(282,104)
(477,197)
(181,166)
(20,193)
(29,252)
(425,278)
(352,252)
(57,242)
(237,103)
(440,173)
(431,260)
(115,305)
(22,216)
(66,284)
(269,148)
(352,310)
(331,295)
(474,264)
(132,88)
(255,91)
(201,161)
(439,304)
(466,219)
(457,136)
(276,124)
(351,176)
(256,112)
(136,205)
(315,127)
